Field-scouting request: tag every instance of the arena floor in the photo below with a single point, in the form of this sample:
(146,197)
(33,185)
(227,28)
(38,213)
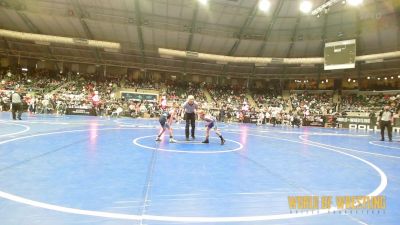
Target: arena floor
(89,170)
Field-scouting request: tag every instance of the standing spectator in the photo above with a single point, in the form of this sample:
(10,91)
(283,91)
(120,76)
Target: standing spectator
(222,114)
(1,104)
(274,115)
(267,117)
(16,104)
(372,118)
(32,105)
(385,119)
(260,118)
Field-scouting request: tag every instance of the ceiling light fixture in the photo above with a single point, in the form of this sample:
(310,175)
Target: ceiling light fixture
(355,2)
(203,2)
(305,7)
(264,5)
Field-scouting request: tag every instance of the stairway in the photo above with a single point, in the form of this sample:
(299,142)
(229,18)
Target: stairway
(59,88)
(286,95)
(286,98)
(336,98)
(251,101)
(207,95)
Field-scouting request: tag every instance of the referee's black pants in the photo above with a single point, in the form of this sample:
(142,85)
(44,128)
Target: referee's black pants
(387,124)
(190,118)
(16,108)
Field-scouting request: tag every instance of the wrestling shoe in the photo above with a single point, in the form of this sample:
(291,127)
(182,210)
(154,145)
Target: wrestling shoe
(205,141)
(222,141)
(158,139)
(171,140)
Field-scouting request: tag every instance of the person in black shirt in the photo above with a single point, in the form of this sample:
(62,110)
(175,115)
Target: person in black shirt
(385,119)
(222,113)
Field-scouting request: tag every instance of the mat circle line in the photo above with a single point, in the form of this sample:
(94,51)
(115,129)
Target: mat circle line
(135,142)
(27,128)
(385,146)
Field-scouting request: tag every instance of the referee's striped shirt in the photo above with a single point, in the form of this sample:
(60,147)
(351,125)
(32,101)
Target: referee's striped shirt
(190,108)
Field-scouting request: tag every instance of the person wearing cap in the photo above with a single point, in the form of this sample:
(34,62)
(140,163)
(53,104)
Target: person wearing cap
(385,119)
(190,107)
(210,123)
(16,104)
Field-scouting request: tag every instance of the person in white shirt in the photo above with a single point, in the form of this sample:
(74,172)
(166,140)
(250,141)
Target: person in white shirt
(16,104)
(274,115)
(267,117)
(385,119)
(260,118)
(210,123)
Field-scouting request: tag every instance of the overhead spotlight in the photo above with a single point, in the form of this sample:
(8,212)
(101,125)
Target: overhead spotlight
(392,78)
(379,78)
(348,80)
(385,78)
(368,77)
(344,2)
(305,7)
(398,76)
(203,2)
(322,82)
(355,2)
(326,80)
(264,5)
(354,81)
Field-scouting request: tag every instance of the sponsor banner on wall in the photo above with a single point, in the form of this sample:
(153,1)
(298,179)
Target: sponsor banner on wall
(364,123)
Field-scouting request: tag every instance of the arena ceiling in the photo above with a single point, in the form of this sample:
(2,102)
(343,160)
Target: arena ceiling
(224,27)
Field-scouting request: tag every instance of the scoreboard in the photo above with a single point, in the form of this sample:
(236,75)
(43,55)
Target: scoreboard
(340,55)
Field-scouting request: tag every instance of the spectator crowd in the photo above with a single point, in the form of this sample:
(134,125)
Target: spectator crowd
(54,93)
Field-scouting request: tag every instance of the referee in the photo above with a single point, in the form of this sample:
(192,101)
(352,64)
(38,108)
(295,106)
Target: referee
(386,120)
(190,106)
(16,104)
